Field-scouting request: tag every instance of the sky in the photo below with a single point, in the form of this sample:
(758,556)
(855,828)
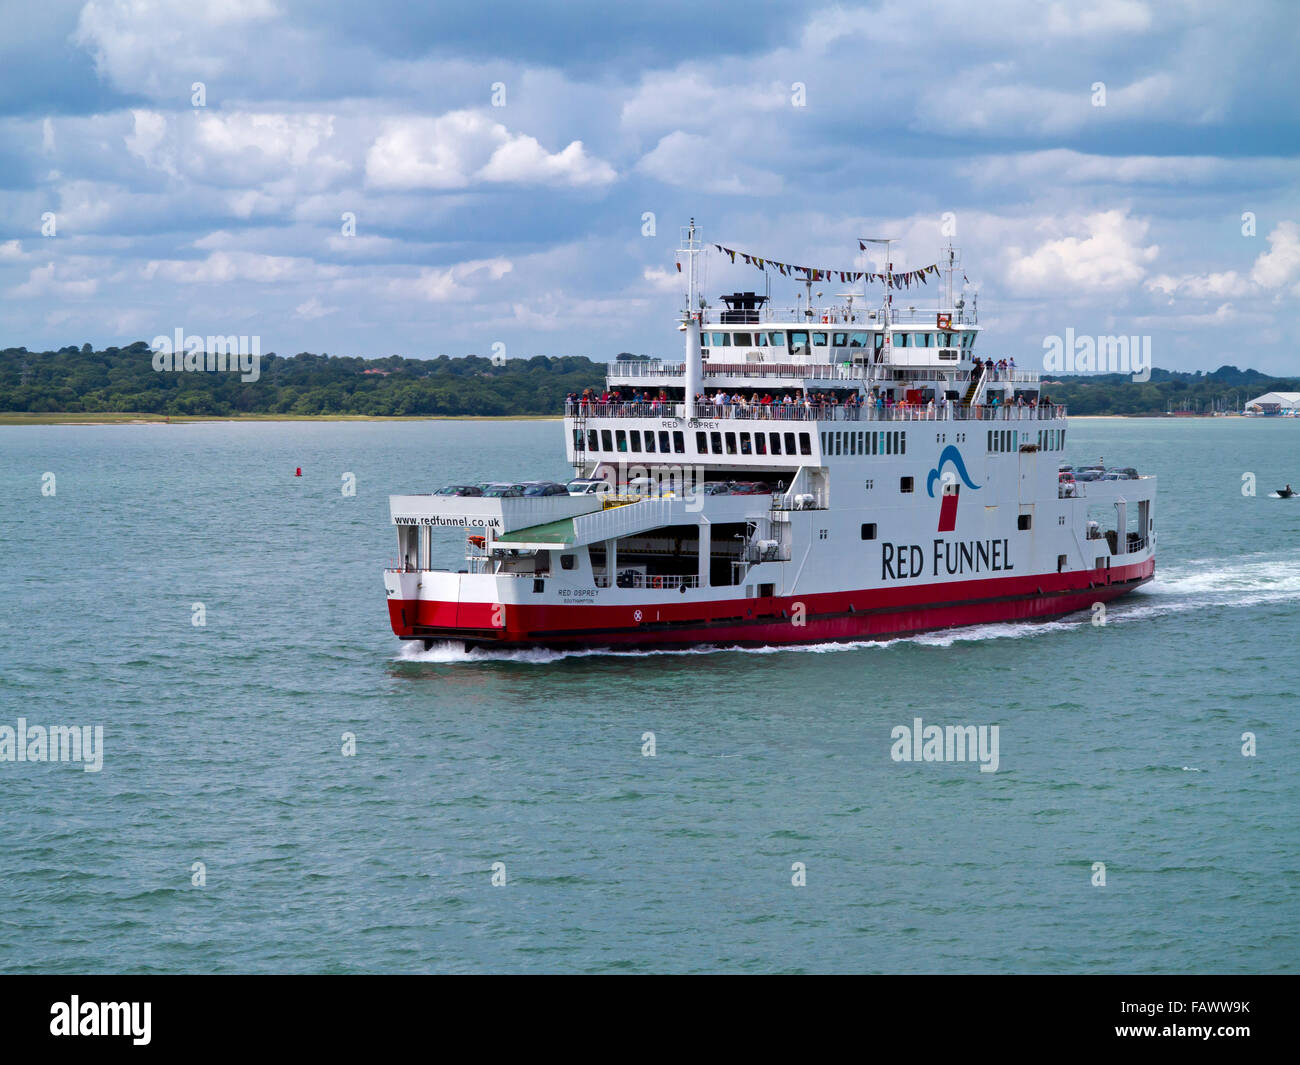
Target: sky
(512,178)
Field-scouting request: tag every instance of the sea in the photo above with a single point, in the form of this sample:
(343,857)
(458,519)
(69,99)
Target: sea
(284,787)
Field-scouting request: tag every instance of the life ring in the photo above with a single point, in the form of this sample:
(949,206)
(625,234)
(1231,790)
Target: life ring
(658,582)
(826,318)
(944,321)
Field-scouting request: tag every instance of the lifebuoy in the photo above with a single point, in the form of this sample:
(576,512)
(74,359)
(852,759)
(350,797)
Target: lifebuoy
(944,321)
(658,582)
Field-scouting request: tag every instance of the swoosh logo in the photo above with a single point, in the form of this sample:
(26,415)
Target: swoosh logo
(949,454)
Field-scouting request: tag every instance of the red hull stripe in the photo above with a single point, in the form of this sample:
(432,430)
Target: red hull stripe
(877,613)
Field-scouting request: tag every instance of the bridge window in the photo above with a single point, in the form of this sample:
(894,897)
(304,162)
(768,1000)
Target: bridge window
(819,340)
(760,340)
(857,340)
(798,342)
(743,340)
(721,340)
(840,340)
(900,340)
(777,338)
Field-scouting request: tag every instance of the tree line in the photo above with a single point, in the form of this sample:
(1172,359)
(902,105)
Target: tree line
(123,380)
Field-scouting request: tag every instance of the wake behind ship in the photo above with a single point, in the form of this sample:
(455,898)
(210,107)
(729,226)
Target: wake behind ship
(834,473)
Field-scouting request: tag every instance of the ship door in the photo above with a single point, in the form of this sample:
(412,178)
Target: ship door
(1028,474)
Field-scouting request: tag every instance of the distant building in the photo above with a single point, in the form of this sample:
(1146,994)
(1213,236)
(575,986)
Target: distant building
(1274,403)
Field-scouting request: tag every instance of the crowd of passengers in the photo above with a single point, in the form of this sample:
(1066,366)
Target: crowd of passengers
(736,403)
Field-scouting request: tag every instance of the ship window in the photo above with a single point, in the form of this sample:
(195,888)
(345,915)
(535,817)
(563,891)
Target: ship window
(664,446)
(650,441)
(902,442)
(607,438)
(889,443)
(857,340)
(805,444)
(776,443)
(990,440)
(789,444)
(760,443)
(593,440)
(1024,522)
(621,436)
(798,342)
(900,340)
(636,439)
(835,443)
(715,441)
(879,340)
(869,530)
(679,443)
(819,340)
(567,561)
(746,448)
(731,443)
(778,338)
(861,451)
(905,484)
(1060,563)
(760,340)
(840,340)
(702,443)
(743,340)
(722,340)
(825,448)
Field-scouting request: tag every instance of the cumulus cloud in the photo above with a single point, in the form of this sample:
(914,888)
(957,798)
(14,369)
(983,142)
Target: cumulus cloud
(49,281)
(1111,257)
(440,285)
(1273,270)
(690,160)
(227,266)
(465,148)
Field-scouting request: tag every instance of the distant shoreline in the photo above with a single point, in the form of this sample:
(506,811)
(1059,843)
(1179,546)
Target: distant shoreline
(110,418)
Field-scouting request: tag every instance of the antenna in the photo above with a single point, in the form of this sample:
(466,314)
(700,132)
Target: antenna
(888,242)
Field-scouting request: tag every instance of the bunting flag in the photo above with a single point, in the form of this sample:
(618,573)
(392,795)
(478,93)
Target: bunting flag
(903,279)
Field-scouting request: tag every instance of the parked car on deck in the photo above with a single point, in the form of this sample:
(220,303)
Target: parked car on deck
(459,490)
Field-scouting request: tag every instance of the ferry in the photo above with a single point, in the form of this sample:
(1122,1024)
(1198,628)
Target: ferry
(850,469)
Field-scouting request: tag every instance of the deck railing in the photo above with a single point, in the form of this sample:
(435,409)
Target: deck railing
(819,412)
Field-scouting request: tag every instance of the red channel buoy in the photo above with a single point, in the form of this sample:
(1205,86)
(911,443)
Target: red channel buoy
(298,472)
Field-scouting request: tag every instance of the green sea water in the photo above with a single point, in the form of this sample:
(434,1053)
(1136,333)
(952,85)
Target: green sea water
(227,830)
